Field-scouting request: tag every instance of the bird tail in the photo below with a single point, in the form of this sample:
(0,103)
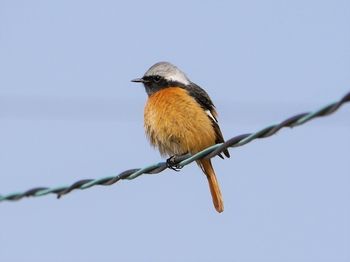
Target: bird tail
(207,168)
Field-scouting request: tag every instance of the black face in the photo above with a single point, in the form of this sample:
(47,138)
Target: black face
(157,82)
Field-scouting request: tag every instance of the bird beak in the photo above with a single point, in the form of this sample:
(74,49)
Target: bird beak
(138,80)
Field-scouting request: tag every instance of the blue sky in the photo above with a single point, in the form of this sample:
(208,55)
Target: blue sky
(69,112)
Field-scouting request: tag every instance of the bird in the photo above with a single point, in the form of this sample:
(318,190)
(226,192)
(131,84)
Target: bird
(180,118)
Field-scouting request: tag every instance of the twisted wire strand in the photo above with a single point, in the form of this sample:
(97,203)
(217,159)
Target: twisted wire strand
(181,161)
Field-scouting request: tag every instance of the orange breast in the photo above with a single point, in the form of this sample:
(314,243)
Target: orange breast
(176,124)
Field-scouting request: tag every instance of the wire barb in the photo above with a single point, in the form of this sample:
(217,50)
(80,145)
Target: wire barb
(184,159)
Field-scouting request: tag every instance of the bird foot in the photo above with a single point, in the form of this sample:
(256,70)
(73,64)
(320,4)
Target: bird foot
(170,163)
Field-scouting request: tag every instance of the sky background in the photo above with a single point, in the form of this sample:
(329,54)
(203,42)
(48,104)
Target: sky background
(69,112)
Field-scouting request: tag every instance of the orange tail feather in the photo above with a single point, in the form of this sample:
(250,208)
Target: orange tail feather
(208,170)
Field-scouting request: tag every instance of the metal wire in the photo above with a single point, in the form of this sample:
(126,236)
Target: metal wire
(182,160)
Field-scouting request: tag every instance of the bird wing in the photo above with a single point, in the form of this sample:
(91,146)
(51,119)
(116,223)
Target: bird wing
(207,104)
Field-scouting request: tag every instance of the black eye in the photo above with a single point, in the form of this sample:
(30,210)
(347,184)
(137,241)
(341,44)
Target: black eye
(157,79)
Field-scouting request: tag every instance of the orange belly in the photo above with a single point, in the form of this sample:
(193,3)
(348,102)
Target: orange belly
(176,124)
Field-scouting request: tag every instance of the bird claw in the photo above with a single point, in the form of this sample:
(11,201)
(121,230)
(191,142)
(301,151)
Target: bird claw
(170,163)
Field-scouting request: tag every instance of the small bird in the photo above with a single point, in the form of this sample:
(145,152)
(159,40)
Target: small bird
(180,118)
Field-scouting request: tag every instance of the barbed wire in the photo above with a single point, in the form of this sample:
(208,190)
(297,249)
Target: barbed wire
(181,161)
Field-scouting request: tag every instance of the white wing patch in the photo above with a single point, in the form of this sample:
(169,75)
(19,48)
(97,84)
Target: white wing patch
(211,116)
